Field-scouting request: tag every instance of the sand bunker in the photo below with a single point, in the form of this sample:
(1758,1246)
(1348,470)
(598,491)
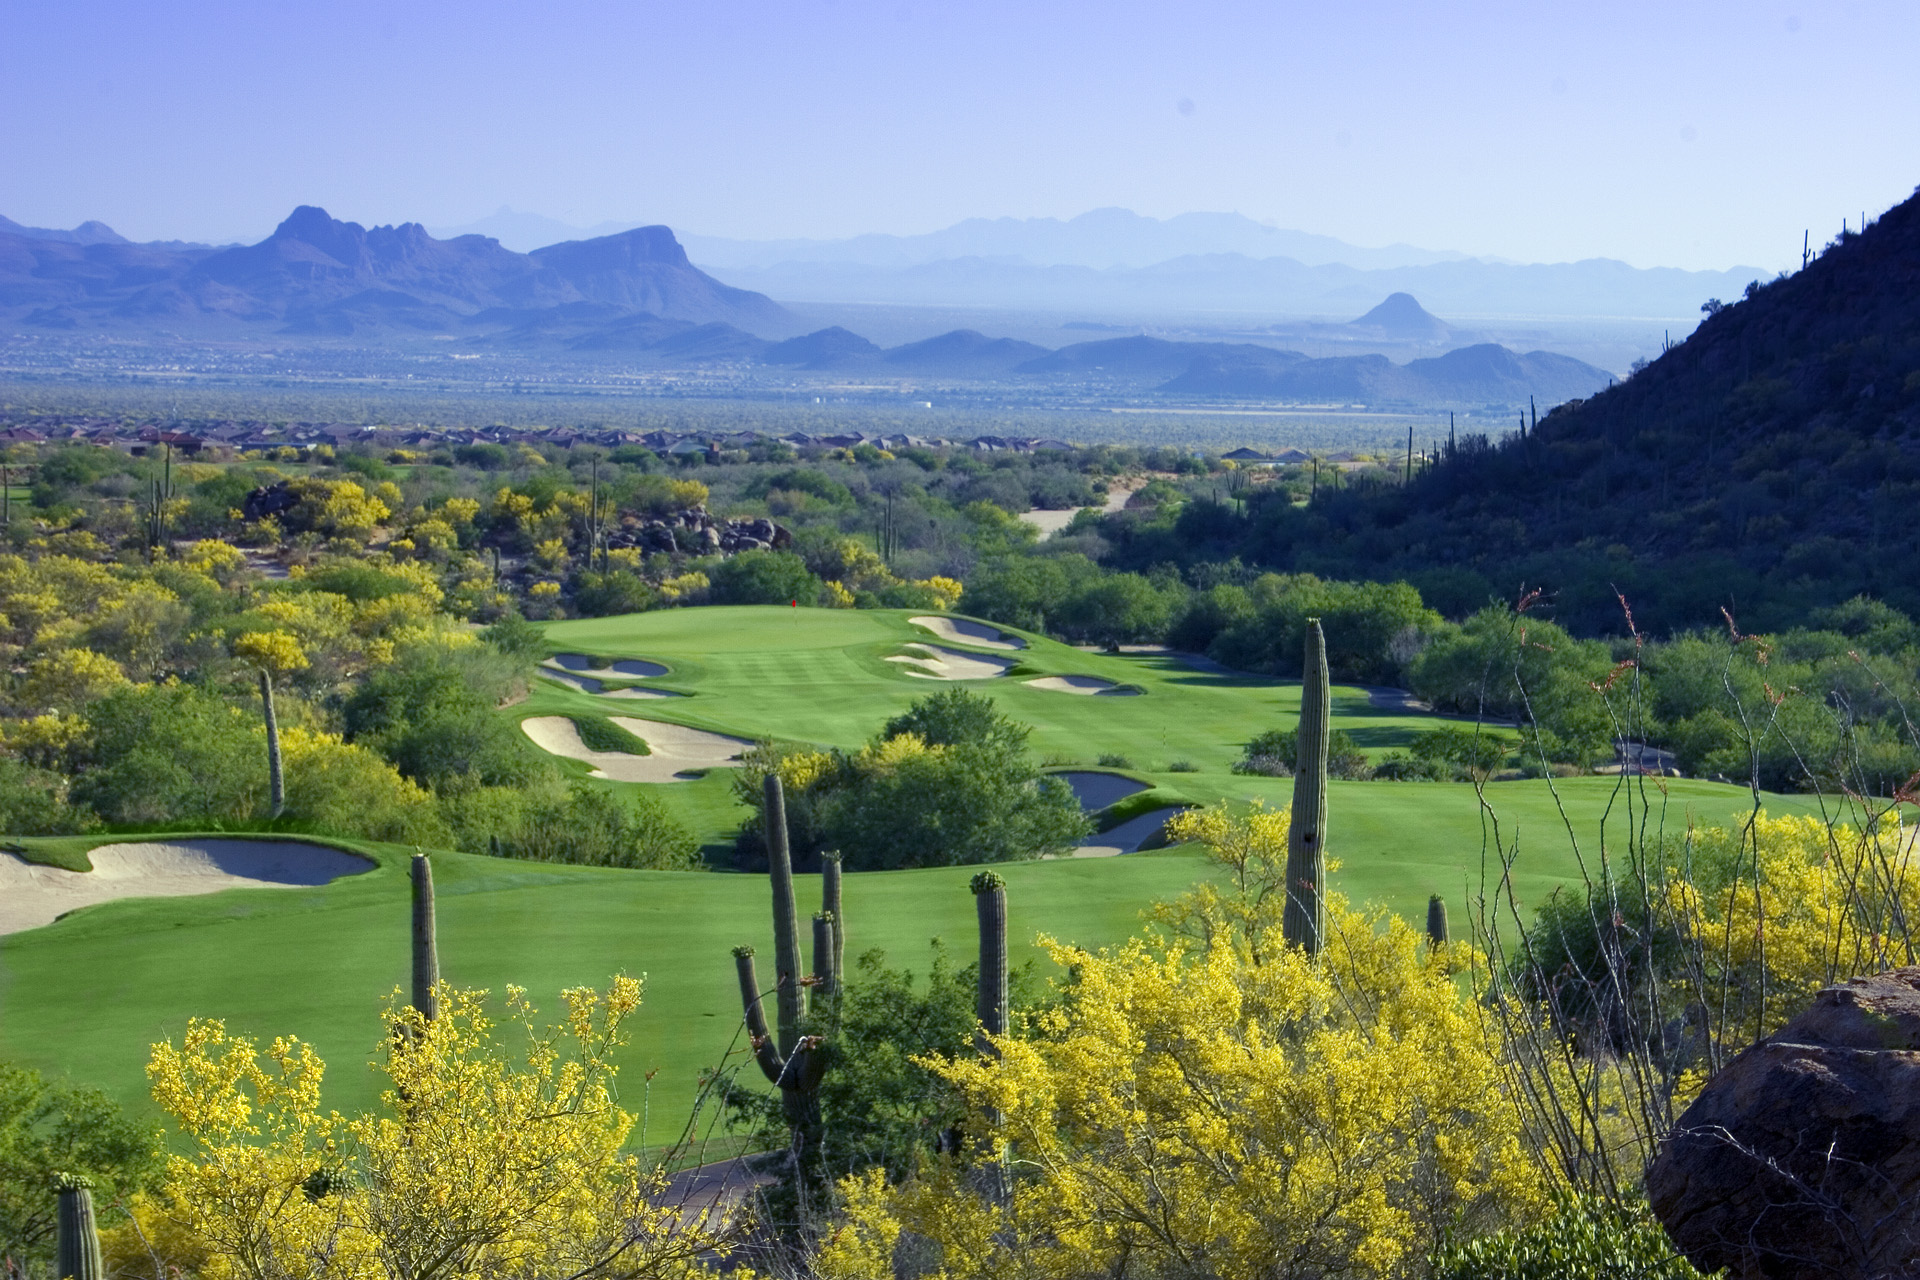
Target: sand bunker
(632,667)
(1128,836)
(33,895)
(1083,684)
(1096,790)
(936,662)
(587,684)
(676,748)
(960,631)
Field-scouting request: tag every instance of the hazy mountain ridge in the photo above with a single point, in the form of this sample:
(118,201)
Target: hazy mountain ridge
(317,275)
(1231,282)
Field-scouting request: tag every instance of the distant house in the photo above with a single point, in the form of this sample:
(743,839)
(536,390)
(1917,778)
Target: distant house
(1244,454)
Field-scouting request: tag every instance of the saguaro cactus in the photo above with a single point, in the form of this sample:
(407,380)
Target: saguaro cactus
(276,781)
(1305,919)
(426,955)
(1437,921)
(791,1060)
(990,1006)
(77,1254)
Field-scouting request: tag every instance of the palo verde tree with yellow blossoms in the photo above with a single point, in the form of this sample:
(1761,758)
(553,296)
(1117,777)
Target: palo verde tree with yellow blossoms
(497,1154)
(1212,1100)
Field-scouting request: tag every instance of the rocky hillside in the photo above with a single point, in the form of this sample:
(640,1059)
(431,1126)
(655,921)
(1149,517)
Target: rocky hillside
(1769,464)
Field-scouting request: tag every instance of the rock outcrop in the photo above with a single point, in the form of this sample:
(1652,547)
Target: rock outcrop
(1802,1158)
(700,532)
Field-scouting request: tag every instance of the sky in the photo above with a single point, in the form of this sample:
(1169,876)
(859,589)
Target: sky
(1687,134)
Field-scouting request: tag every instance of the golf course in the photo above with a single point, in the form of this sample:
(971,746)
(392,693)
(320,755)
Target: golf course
(100,984)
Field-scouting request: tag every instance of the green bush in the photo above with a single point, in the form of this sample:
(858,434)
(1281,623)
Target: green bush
(33,802)
(166,753)
(1276,753)
(1578,1241)
(582,825)
(601,734)
(764,577)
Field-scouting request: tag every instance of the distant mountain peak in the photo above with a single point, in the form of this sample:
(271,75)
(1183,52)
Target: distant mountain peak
(1402,316)
(88,232)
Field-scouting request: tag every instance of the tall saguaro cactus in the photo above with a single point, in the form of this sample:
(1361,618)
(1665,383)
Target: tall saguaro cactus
(276,780)
(990,1006)
(426,955)
(793,1061)
(77,1251)
(1437,921)
(1304,922)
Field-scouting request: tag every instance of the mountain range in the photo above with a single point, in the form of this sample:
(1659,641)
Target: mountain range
(634,297)
(316,275)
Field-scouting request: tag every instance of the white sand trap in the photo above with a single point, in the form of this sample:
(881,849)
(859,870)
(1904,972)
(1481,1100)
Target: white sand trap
(587,684)
(936,662)
(32,895)
(960,631)
(1128,836)
(1096,790)
(633,667)
(676,748)
(1083,684)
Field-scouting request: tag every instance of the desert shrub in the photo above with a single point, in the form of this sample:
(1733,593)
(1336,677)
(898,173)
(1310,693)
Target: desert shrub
(1461,750)
(1579,1240)
(599,733)
(1398,766)
(33,802)
(1370,627)
(764,577)
(169,752)
(431,713)
(1182,766)
(1114,761)
(591,827)
(1276,754)
(600,595)
(949,781)
(347,789)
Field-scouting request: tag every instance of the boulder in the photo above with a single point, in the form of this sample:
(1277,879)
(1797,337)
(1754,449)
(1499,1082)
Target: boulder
(1801,1159)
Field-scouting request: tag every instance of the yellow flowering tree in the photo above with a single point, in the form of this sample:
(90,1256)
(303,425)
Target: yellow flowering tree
(1190,1111)
(489,1159)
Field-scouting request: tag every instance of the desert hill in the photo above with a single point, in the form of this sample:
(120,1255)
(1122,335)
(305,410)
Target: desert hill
(1769,464)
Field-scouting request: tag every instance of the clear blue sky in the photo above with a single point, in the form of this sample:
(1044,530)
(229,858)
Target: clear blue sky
(1696,134)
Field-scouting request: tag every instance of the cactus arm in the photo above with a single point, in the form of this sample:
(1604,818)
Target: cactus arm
(823,952)
(789,995)
(830,906)
(1437,933)
(426,955)
(764,1051)
(1304,921)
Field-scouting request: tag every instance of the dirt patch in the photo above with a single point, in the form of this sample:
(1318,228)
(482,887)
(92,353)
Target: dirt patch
(677,750)
(33,895)
(961,631)
(936,662)
(1092,685)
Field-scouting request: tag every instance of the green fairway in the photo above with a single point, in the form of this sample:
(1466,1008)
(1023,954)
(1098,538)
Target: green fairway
(822,676)
(87,995)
